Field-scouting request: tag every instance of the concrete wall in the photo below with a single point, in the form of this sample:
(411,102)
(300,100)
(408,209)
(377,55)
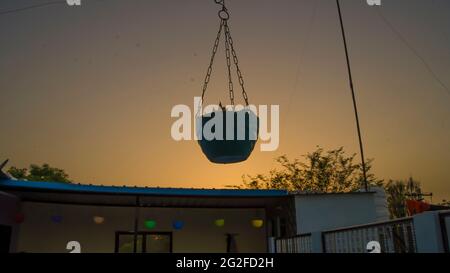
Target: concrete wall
(39,234)
(319,212)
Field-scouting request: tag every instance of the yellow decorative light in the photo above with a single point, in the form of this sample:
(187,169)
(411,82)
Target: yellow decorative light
(257,223)
(219,222)
(99,220)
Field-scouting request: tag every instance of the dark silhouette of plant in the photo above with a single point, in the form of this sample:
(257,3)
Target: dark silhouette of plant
(398,191)
(396,198)
(40,173)
(330,172)
(321,171)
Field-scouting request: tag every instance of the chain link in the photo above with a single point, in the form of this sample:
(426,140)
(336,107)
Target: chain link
(228,57)
(236,61)
(214,51)
(229,46)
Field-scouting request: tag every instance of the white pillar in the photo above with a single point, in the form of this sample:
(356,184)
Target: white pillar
(316,242)
(271,244)
(428,232)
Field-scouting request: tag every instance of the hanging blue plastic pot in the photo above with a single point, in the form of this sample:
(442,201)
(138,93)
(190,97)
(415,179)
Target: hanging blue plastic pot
(232,140)
(178,224)
(57,219)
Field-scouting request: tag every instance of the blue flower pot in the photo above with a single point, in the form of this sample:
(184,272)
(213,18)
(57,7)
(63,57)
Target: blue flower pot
(236,139)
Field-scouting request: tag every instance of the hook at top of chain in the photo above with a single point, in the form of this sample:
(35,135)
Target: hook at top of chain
(223,13)
(220,2)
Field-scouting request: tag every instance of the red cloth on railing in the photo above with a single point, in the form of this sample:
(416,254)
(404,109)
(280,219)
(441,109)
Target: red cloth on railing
(415,207)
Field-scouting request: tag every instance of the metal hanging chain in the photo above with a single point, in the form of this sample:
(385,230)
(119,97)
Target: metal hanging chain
(228,57)
(229,51)
(214,51)
(236,61)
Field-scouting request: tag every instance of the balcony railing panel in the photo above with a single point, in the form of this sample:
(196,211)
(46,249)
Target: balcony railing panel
(296,244)
(396,236)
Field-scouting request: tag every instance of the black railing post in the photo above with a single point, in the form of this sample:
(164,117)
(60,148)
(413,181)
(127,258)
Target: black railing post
(136,224)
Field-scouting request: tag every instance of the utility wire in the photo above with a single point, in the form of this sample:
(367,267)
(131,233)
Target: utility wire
(445,33)
(301,57)
(414,51)
(33,7)
(305,45)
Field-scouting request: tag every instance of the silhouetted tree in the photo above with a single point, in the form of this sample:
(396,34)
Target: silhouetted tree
(321,171)
(398,191)
(333,171)
(40,173)
(396,198)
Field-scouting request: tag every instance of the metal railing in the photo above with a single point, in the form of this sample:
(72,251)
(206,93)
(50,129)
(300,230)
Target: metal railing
(397,236)
(296,244)
(444,218)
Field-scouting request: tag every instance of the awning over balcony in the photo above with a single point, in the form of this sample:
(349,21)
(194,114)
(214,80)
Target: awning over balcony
(67,193)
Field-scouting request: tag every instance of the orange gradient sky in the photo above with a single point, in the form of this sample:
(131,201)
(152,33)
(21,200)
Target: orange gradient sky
(89,89)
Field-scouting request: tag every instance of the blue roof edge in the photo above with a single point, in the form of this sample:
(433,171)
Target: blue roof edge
(134,190)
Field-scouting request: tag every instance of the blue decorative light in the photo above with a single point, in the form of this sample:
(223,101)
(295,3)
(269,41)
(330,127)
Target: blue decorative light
(178,224)
(57,219)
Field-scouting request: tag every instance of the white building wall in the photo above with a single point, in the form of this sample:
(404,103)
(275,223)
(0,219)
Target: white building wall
(320,212)
(381,205)
(428,232)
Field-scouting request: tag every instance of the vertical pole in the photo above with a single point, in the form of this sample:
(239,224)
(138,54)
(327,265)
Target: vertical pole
(136,224)
(353,97)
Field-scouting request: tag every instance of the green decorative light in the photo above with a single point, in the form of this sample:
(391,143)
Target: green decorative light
(150,224)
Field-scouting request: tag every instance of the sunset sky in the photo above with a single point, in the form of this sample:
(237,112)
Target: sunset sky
(90,89)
